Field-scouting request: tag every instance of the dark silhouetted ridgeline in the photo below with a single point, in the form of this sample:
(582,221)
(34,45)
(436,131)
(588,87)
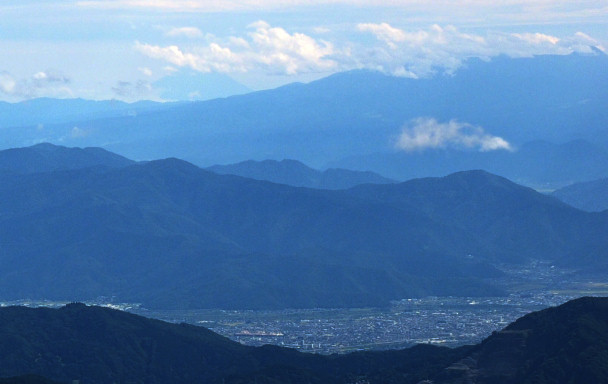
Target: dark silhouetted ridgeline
(565,344)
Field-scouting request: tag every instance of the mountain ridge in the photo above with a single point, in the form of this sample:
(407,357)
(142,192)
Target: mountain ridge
(361,113)
(566,343)
(588,196)
(169,234)
(45,157)
(297,174)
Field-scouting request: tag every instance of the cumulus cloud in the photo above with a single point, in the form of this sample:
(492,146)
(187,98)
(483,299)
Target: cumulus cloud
(41,83)
(384,32)
(406,53)
(427,133)
(266,48)
(423,52)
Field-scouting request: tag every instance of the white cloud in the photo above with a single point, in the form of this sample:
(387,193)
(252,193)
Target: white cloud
(266,48)
(537,38)
(189,32)
(384,32)
(424,133)
(320,30)
(146,71)
(41,83)
(423,52)
(7,83)
(40,76)
(406,53)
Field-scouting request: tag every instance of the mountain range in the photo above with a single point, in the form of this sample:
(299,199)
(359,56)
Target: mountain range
(46,157)
(42,111)
(296,174)
(551,110)
(171,235)
(99,345)
(539,164)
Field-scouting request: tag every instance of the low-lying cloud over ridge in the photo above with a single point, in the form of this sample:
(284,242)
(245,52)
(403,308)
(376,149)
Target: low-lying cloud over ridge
(415,53)
(427,133)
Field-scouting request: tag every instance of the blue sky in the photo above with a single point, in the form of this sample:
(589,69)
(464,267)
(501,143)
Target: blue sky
(120,48)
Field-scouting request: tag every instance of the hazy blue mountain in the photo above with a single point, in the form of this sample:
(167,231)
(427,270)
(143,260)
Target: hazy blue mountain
(539,164)
(46,157)
(556,99)
(294,173)
(192,85)
(42,111)
(169,234)
(494,208)
(565,344)
(172,235)
(591,196)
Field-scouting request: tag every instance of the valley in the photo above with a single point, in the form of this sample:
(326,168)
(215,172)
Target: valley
(292,192)
(447,321)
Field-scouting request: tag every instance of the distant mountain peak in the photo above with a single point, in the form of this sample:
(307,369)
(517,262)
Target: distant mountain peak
(46,146)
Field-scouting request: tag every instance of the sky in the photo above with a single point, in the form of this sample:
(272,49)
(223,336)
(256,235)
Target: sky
(120,49)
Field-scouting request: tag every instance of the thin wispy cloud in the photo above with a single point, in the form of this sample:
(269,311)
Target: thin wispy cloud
(132,90)
(182,5)
(189,32)
(40,83)
(428,133)
(478,12)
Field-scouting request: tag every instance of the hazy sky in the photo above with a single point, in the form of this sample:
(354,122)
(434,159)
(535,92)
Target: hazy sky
(118,48)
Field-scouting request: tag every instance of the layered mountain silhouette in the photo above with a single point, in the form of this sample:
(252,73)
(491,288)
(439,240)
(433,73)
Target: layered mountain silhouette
(520,223)
(341,120)
(46,157)
(52,111)
(539,164)
(294,173)
(99,345)
(590,196)
(169,234)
